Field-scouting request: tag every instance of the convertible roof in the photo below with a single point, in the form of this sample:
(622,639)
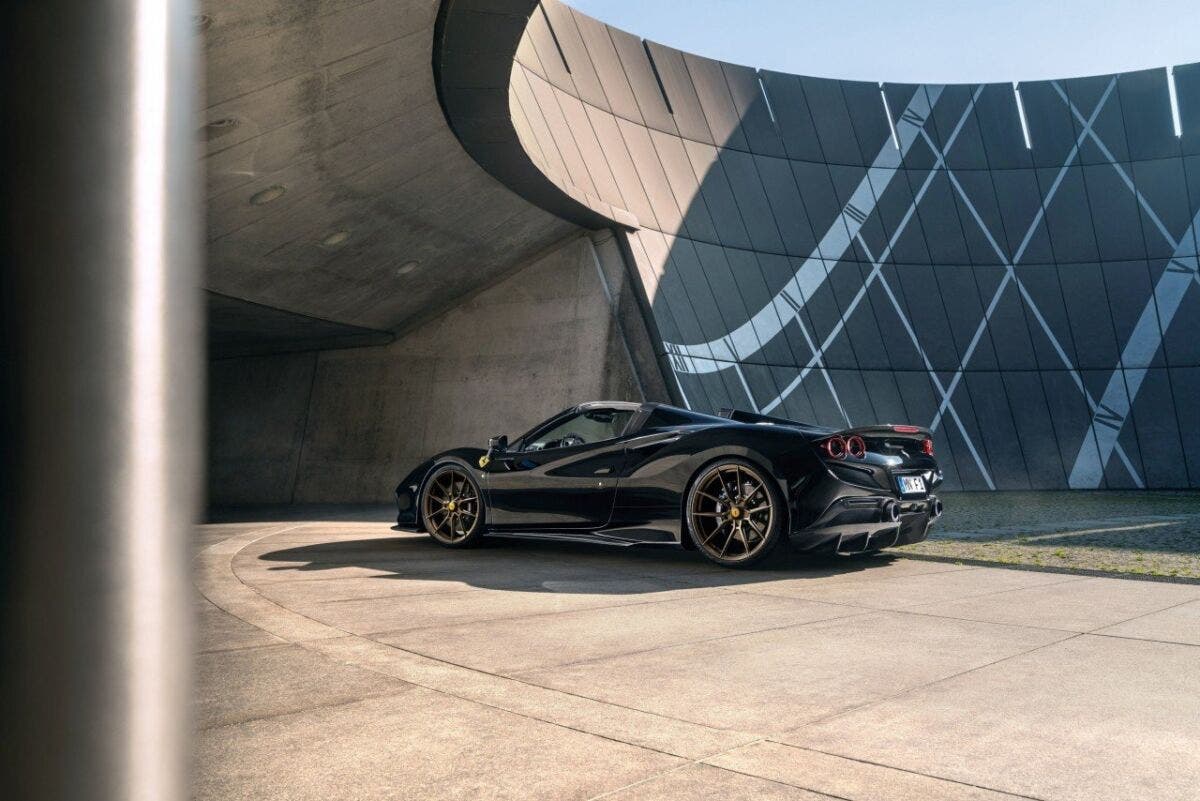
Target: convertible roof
(699,417)
(761,419)
(725,416)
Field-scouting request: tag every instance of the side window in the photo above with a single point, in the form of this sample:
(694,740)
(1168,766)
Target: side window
(592,425)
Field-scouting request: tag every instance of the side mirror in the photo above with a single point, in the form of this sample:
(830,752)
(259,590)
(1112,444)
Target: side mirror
(497,445)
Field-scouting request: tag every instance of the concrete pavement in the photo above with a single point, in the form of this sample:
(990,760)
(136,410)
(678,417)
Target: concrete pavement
(340,659)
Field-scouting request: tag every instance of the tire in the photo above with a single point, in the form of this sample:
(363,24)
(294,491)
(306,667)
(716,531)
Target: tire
(735,527)
(452,507)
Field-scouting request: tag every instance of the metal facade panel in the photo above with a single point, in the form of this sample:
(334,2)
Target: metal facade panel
(681,94)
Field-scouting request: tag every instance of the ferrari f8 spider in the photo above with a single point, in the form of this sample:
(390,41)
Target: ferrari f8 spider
(734,486)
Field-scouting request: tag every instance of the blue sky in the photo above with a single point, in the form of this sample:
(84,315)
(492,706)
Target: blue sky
(931,41)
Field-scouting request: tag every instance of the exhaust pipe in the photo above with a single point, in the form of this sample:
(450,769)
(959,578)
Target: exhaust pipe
(890,512)
(936,509)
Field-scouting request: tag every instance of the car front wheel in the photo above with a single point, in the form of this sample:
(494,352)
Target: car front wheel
(452,507)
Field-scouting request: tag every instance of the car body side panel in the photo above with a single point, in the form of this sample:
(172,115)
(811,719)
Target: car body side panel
(569,488)
(660,465)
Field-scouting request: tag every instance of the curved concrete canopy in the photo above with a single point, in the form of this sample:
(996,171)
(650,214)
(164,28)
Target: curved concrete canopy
(330,167)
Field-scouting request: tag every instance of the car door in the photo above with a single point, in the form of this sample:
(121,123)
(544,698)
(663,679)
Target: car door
(561,477)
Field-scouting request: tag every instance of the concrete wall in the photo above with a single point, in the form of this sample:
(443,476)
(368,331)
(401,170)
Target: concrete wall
(345,425)
(256,410)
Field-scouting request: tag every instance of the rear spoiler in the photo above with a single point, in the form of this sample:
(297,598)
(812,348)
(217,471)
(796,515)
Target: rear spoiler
(889,430)
(886,430)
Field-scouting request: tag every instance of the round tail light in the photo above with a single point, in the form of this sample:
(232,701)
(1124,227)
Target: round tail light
(856,446)
(927,447)
(834,447)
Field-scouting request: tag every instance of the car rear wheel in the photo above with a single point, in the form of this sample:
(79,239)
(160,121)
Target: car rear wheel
(452,507)
(736,516)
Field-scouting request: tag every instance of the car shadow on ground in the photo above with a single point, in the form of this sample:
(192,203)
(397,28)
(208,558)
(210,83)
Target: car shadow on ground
(501,563)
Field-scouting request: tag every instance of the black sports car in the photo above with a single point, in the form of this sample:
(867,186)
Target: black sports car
(732,486)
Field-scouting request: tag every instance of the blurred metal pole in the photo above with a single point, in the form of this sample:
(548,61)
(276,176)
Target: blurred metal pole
(101,396)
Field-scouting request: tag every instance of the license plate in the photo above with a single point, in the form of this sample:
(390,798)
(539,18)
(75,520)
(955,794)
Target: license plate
(911,485)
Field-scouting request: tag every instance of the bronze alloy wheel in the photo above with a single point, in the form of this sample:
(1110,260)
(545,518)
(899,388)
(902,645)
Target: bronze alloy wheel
(731,511)
(451,507)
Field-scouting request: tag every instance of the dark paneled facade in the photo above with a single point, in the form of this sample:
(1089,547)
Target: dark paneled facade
(847,252)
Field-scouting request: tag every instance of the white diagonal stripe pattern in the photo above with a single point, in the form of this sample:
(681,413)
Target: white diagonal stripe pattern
(1108,413)
(1010,275)
(709,357)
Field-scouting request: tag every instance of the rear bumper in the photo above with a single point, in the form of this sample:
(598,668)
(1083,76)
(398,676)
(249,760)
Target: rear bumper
(854,521)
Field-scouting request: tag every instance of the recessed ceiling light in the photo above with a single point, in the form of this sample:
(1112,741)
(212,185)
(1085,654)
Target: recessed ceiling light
(218,128)
(407,267)
(267,195)
(335,239)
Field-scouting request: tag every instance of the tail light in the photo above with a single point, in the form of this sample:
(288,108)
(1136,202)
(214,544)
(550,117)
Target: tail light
(839,447)
(834,447)
(927,446)
(905,429)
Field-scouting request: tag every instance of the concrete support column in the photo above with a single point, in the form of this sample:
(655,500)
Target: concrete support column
(101,396)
